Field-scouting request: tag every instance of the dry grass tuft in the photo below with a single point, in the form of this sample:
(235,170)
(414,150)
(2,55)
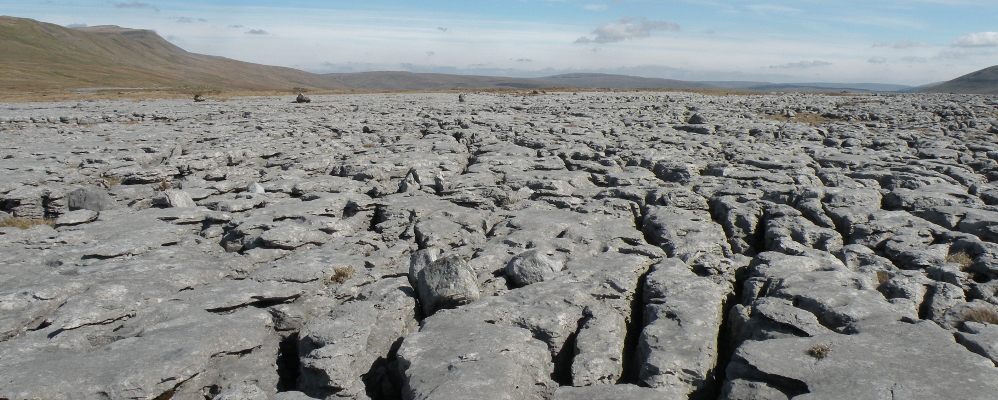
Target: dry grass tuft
(25,223)
(110,181)
(340,275)
(164,184)
(820,351)
(982,315)
(961,258)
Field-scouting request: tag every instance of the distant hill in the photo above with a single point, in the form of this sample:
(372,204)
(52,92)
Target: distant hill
(36,55)
(811,87)
(620,82)
(397,80)
(400,80)
(984,81)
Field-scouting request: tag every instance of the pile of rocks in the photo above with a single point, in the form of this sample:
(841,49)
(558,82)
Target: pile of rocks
(538,246)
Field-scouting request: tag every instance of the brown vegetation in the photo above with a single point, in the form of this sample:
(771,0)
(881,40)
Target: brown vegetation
(340,275)
(25,223)
(961,258)
(819,352)
(982,315)
(110,181)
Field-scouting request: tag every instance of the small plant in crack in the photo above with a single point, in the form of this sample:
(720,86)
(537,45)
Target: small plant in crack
(819,352)
(109,181)
(982,315)
(961,258)
(883,276)
(340,275)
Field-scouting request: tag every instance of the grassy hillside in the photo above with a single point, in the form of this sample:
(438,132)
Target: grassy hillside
(41,56)
(984,81)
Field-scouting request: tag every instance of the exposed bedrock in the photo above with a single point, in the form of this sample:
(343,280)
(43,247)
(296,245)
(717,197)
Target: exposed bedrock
(641,245)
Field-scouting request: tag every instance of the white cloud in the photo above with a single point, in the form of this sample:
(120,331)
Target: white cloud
(877,60)
(256,32)
(982,39)
(914,59)
(802,65)
(595,7)
(627,28)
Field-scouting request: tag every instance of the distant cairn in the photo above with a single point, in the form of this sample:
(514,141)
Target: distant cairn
(302,99)
(199,98)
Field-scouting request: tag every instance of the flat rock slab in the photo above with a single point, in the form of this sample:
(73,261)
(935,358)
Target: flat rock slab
(605,392)
(130,365)
(899,361)
(76,217)
(461,357)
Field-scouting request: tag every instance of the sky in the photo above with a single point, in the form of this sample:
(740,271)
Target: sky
(910,42)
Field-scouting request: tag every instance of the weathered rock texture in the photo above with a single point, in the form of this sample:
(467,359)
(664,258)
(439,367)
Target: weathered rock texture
(502,246)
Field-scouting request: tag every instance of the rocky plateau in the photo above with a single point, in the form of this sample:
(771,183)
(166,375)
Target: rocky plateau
(614,245)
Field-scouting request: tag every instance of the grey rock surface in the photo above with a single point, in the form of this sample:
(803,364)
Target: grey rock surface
(678,347)
(524,245)
(868,365)
(532,266)
(77,217)
(89,198)
(603,392)
(339,348)
(447,283)
(457,357)
(173,198)
(599,349)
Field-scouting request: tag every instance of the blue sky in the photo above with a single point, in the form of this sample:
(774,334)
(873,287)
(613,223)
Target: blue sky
(885,41)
